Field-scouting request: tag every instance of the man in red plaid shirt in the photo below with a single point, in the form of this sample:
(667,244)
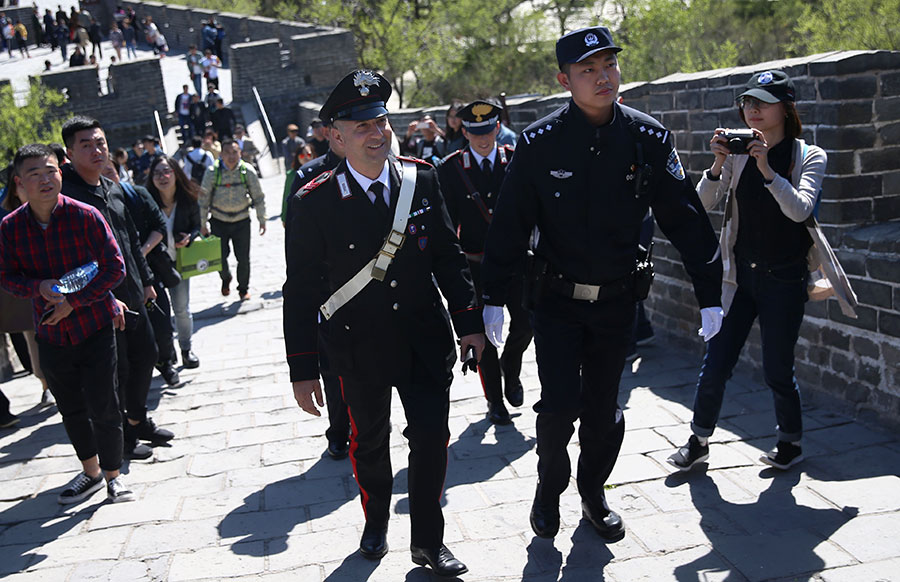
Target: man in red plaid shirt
(39,242)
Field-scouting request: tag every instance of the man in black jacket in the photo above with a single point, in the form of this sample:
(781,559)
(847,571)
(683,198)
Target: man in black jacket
(392,328)
(223,120)
(88,152)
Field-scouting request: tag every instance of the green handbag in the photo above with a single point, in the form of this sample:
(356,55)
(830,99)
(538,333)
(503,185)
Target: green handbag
(203,256)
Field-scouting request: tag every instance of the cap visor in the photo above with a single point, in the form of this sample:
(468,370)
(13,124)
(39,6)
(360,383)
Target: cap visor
(614,49)
(357,114)
(760,94)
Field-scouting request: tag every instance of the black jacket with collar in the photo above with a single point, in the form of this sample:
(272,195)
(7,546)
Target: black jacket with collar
(377,334)
(577,184)
(467,214)
(109,199)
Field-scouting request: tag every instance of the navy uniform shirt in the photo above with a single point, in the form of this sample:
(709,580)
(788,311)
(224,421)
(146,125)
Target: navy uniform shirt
(576,183)
(469,213)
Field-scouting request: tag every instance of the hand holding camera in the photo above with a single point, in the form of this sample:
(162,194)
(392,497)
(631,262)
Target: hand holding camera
(750,142)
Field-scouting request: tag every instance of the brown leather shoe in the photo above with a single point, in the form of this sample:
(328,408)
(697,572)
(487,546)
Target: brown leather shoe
(226,288)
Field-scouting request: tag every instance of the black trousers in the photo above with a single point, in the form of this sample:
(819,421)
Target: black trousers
(427,406)
(83,380)
(338,430)
(161,321)
(492,364)
(4,403)
(581,349)
(238,234)
(137,356)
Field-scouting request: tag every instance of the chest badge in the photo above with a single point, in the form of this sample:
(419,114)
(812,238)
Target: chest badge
(412,229)
(423,242)
(560,174)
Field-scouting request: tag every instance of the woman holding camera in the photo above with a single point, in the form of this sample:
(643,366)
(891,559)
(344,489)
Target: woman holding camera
(770,181)
(177,197)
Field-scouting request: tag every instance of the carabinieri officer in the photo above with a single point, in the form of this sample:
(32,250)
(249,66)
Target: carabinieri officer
(377,232)
(471,180)
(585,176)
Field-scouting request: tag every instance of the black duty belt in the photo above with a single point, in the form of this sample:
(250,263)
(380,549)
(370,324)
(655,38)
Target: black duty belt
(583,292)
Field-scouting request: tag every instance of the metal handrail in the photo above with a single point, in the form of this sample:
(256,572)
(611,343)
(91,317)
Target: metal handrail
(265,116)
(159,131)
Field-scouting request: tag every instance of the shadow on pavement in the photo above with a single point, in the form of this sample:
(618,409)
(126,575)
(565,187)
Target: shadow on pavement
(27,448)
(773,537)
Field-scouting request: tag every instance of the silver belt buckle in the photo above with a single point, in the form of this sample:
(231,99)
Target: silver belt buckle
(586,292)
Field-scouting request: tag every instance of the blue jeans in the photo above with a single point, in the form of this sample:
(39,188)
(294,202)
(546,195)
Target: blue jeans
(184,321)
(777,296)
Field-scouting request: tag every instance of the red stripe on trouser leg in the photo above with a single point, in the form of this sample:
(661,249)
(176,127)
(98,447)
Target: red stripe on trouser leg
(364,496)
(483,387)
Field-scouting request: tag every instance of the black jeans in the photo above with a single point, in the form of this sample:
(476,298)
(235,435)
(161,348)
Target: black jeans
(238,233)
(83,380)
(137,356)
(427,406)
(777,297)
(581,348)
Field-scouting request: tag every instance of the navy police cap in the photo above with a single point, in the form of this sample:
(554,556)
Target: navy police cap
(480,117)
(580,44)
(359,96)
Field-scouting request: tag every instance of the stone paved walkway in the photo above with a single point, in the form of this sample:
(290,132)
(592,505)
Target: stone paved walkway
(244,492)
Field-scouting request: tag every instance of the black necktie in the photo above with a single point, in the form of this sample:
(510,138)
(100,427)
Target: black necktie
(377,190)
(486,168)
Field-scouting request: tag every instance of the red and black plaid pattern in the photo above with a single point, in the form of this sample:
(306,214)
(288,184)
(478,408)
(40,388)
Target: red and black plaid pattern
(76,235)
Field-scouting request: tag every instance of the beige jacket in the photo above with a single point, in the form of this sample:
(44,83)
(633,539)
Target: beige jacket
(796,203)
(229,190)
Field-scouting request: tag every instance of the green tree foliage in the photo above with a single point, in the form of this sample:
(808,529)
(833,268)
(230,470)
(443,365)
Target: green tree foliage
(848,24)
(38,121)
(436,50)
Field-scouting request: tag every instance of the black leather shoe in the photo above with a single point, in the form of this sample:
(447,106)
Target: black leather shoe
(545,519)
(373,543)
(607,522)
(169,374)
(189,360)
(515,393)
(440,560)
(136,451)
(498,414)
(338,451)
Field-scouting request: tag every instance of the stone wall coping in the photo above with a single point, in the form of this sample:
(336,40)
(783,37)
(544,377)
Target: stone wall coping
(254,43)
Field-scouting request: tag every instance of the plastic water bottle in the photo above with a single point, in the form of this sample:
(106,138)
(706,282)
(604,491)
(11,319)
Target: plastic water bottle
(77,279)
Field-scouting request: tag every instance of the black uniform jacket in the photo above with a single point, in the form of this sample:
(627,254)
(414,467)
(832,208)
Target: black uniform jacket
(470,217)
(109,199)
(376,335)
(576,183)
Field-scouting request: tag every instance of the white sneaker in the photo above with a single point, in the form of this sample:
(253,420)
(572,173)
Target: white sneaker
(117,491)
(80,488)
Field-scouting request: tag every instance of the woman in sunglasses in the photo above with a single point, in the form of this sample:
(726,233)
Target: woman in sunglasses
(770,180)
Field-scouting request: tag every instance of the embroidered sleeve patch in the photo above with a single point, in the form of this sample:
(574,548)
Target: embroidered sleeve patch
(674,167)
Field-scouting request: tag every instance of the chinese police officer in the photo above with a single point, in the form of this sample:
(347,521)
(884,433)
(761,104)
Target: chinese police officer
(584,176)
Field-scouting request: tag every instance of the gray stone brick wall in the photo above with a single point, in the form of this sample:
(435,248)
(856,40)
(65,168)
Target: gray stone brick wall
(128,111)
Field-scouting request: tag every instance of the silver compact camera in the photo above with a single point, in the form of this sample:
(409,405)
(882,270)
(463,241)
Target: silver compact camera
(738,140)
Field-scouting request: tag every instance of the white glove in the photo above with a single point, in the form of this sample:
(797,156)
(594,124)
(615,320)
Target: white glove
(493,324)
(710,321)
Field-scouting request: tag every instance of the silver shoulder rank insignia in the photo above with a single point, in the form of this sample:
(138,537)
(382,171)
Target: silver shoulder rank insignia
(560,174)
(344,186)
(363,80)
(674,167)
